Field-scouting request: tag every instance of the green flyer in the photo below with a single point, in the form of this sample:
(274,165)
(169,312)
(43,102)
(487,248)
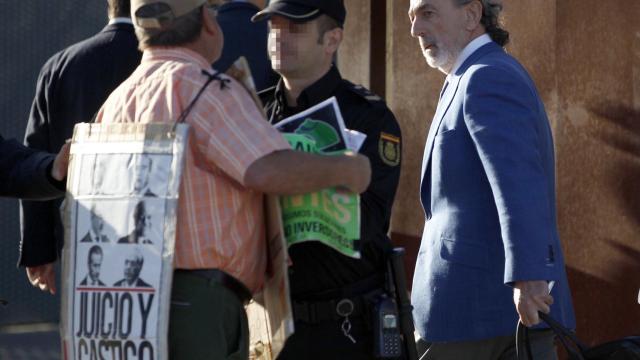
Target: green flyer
(328,216)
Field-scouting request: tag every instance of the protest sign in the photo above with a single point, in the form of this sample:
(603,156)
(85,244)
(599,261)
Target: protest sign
(120,219)
(329,216)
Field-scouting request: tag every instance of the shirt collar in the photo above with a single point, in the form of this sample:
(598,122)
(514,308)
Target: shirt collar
(120,20)
(180,54)
(314,93)
(471,47)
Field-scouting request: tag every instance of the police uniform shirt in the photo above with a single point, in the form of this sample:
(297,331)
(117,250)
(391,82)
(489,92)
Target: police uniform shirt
(316,267)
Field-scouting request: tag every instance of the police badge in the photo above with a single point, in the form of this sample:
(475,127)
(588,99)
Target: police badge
(389,149)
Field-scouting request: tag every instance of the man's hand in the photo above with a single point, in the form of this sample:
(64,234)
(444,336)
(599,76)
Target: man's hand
(61,163)
(531,297)
(359,174)
(43,277)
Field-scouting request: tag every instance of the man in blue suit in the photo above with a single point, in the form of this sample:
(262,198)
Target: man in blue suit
(488,192)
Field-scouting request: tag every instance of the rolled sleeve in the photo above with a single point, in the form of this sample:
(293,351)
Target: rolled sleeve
(232,133)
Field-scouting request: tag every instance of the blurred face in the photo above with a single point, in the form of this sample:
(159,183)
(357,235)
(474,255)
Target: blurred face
(143,167)
(96,223)
(439,26)
(143,222)
(95,261)
(132,267)
(294,48)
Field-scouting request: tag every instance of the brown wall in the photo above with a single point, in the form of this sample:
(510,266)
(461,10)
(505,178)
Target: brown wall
(584,56)
(354,57)
(597,132)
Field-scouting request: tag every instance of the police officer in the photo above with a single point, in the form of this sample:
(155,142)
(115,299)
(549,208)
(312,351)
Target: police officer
(332,294)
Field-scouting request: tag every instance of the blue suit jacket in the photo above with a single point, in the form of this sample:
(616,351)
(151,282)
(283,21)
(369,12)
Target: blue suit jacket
(488,191)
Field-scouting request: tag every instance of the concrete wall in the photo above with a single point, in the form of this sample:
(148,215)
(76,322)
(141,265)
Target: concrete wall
(584,56)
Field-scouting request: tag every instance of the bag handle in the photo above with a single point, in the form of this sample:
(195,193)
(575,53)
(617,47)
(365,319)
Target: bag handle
(570,342)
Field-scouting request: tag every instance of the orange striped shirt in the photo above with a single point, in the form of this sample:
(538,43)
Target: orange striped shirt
(220,222)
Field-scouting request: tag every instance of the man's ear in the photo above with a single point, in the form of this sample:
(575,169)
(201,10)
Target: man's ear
(473,15)
(208,24)
(333,39)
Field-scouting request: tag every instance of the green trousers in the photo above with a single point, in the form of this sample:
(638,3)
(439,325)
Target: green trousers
(206,322)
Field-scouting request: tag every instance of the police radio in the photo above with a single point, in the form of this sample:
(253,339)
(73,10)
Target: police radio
(387,339)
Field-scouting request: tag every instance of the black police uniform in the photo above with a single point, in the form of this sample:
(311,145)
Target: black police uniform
(320,276)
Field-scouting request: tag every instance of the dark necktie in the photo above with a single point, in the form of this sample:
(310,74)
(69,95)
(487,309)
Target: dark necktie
(444,87)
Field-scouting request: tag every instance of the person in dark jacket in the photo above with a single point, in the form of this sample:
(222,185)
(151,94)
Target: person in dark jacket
(244,38)
(29,174)
(71,87)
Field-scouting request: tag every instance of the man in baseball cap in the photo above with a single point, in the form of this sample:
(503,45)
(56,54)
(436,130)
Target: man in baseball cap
(155,14)
(234,156)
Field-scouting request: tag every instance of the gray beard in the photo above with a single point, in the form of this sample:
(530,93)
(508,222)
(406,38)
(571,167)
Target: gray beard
(444,61)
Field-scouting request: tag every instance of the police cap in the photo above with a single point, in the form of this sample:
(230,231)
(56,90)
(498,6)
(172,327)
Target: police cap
(303,10)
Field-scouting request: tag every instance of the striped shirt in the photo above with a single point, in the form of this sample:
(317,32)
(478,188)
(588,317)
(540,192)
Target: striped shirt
(220,222)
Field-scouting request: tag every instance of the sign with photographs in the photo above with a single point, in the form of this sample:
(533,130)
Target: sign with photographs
(328,216)
(120,220)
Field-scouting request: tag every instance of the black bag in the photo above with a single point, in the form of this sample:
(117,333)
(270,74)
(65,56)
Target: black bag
(623,349)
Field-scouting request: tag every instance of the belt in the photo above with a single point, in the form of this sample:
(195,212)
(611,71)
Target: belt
(351,300)
(232,284)
(330,310)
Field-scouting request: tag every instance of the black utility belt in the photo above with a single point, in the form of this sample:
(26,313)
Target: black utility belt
(315,312)
(229,282)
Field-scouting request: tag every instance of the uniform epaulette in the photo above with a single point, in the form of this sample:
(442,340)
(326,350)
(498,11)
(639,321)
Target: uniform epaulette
(365,93)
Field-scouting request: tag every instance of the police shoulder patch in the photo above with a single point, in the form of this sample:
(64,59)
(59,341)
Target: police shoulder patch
(389,149)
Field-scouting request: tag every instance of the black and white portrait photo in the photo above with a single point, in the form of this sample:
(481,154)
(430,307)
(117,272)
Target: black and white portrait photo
(94,263)
(143,166)
(96,231)
(132,268)
(142,231)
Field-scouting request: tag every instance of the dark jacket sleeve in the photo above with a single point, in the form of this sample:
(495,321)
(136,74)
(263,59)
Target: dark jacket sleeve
(24,172)
(383,148)
(40,232)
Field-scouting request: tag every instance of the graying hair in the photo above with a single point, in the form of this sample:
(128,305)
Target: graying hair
(183,30)
(491,10)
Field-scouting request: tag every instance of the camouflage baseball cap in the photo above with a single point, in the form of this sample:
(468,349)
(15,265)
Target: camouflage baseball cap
(158,14)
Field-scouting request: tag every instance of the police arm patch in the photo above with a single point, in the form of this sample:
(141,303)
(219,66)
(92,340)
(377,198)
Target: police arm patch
(389,149)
